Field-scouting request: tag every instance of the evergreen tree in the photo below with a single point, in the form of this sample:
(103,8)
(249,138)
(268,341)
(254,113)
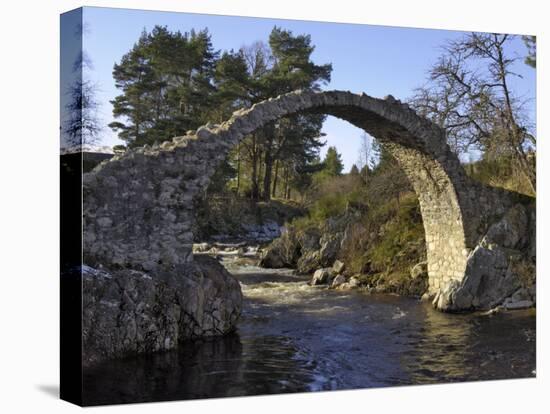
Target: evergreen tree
(166,84)
(531,44)
(333,164)
(277,151)
(172,82)
(292,69)
(135,78)
(233,84)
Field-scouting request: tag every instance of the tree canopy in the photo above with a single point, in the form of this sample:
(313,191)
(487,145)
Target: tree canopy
(172,82)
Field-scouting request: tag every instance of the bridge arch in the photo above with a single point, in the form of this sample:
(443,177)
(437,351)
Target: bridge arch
(139,207)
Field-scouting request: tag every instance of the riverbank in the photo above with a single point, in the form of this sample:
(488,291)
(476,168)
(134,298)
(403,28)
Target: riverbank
(414,284)
(380,249)
(356,248)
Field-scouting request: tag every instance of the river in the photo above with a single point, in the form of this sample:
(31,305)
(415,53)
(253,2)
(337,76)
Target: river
(293,337)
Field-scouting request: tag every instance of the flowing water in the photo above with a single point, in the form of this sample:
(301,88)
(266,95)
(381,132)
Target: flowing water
(294,338)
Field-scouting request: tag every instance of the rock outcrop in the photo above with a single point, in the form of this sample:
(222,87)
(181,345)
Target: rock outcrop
(282,252)
(233,217)
(501,268)
(127,312)
(312,248)
(320,251)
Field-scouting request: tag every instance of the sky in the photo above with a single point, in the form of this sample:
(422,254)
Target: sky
(377,60)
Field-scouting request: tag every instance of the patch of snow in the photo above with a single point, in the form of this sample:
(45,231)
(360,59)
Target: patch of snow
(102,149)
(90,271)
(265,232)
(109,303)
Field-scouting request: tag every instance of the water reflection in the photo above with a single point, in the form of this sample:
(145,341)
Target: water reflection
(470,347)
(438,345)
(221,367)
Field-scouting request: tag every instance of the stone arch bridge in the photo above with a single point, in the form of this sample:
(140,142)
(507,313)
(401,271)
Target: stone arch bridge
(139,207)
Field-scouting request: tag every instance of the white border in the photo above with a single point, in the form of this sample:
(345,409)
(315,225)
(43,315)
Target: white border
(29,204)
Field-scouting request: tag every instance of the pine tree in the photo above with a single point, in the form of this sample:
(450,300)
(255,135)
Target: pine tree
(292,69)
(135,77)
(531,44)
(166,84)
(333,164)
(233,84)
(172,82)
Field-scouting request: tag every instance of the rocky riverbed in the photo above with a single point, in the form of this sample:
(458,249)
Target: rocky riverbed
(281,252)
(500,270)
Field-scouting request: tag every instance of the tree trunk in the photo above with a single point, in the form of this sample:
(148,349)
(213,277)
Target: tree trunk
(260,174)
(238,167)
(254,176)
(269,136)
(285,184)
(267,176)
(275,179)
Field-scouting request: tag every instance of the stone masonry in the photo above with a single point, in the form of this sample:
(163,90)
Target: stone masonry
(139,207)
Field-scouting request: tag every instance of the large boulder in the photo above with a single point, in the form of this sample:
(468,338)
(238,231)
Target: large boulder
(321,277)
(330,247)
(338,281)
(308,239)
(308,249)
(511,232)
(352,283)
(308,262)
(497,267)
(126,312)
(338,267)
(294,248)
(282,252)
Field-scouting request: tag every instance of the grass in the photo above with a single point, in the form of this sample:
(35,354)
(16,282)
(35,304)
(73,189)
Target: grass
(400,239)
(500,173)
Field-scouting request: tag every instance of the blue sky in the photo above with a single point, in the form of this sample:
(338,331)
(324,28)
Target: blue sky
(377,60)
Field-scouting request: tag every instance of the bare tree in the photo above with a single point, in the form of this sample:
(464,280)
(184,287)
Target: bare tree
(469,94)
(367,156)
(258,58)
(82,125)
